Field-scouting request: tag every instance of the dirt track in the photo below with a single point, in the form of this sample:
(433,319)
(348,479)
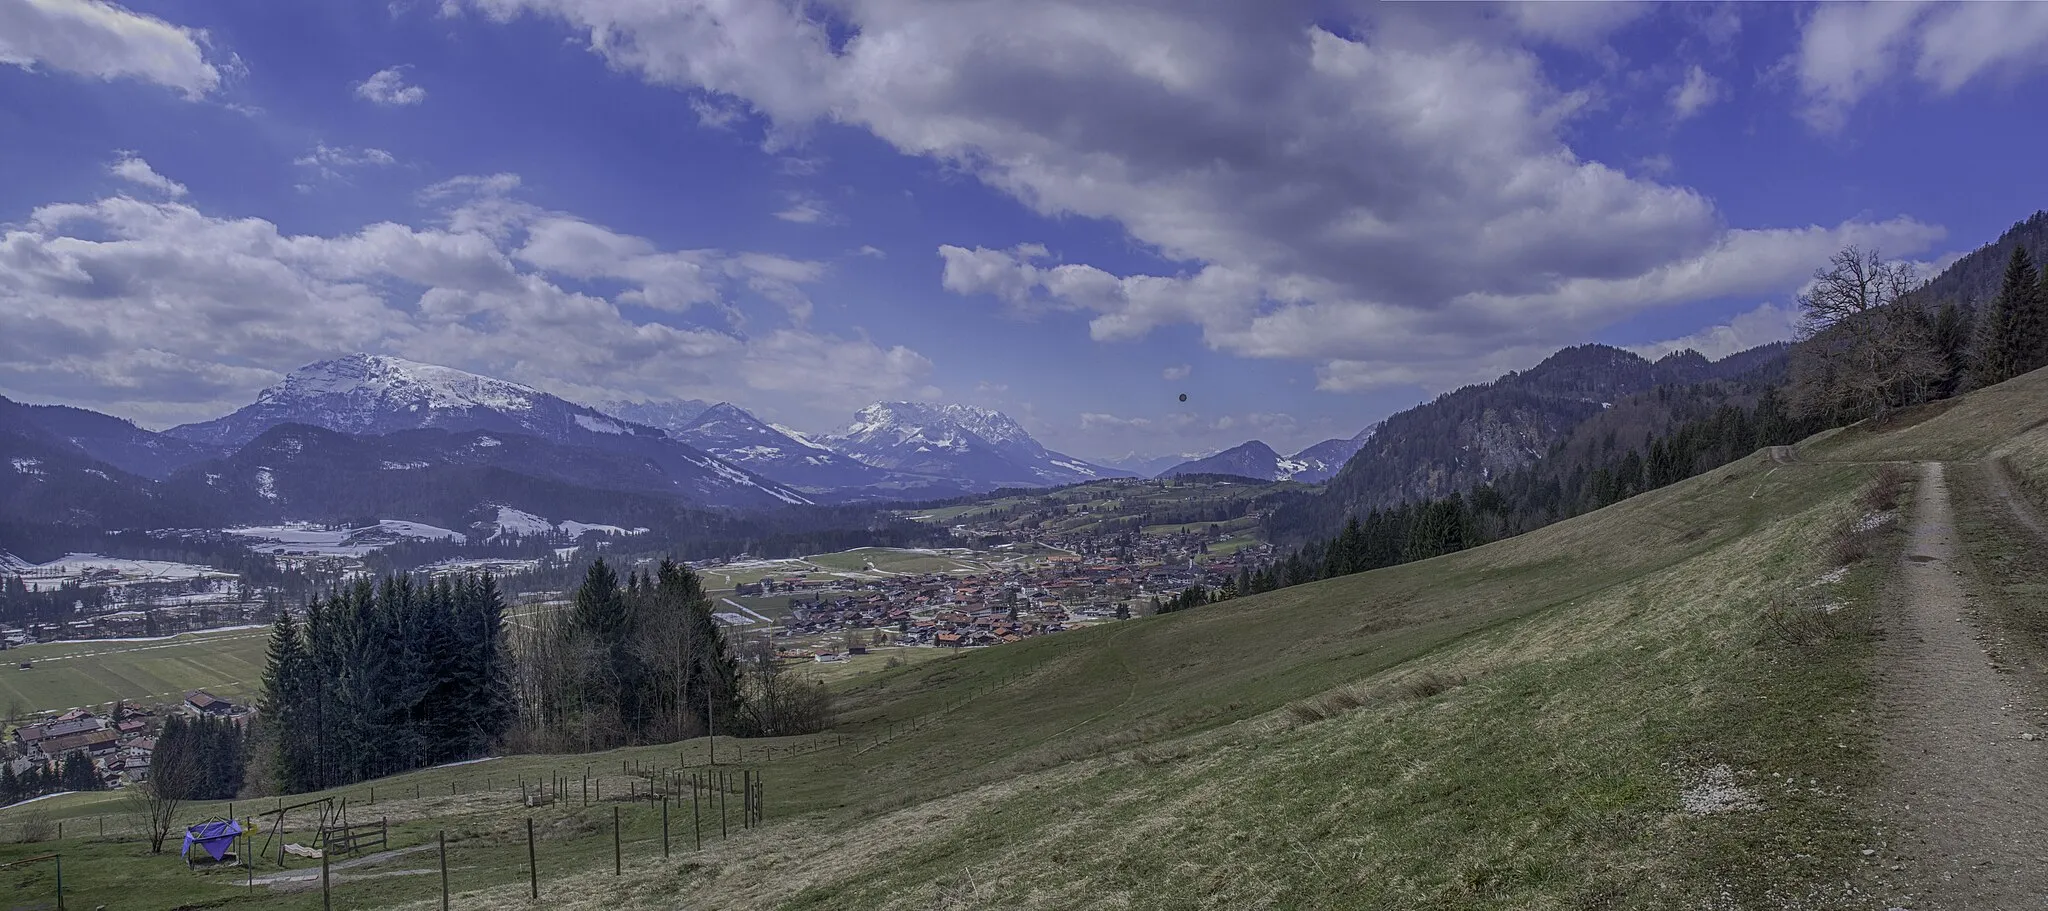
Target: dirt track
(1969,794)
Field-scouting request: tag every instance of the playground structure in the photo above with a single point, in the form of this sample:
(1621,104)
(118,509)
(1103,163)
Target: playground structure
(332,833)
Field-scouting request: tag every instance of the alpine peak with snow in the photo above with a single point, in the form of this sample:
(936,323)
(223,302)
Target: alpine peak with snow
(371,393)
(974,445)
(375,395)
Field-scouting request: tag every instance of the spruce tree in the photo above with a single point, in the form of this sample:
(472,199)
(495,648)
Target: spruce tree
(1952,342)
(2013,335)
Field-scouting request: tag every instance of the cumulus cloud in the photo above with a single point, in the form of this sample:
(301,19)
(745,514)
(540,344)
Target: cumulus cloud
(1761,326)
(387,86)
(1847,50)
(1180,372)
(1699,91)
(130,167)
(1384,197)
(103,41)
(164,312)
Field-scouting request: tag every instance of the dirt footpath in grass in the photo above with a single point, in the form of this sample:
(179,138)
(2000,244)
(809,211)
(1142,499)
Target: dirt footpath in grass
(1967,793)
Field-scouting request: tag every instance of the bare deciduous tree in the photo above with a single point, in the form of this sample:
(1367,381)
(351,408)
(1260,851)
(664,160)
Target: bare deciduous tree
(1864,351)
(156,799)
(1854,282)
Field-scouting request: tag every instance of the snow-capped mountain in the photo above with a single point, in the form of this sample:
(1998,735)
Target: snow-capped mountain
(1258,460)
(370,395)
(961,442)
(731,433)
(373,394)
(671,415)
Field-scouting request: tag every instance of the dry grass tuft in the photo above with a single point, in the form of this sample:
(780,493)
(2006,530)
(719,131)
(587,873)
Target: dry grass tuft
(1807,625)
(1885,490)
(1429,683)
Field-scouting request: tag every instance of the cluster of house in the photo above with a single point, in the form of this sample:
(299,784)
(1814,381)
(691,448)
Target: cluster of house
(955,611)
(119,743)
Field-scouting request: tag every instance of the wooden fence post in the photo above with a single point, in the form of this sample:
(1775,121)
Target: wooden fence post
(441,840)
(618,856)
(664,826)
(696,817)
(532,871)
(326,897)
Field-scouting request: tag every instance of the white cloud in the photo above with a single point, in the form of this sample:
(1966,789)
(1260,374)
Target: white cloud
(166,313)
(805,209)
(1761,326)
(130,167)
(1173,374)
(1847,50)
(1699,91)
(1574,23)
(104,41)
(331,162)
(387,86)
(871,251)
(1396,190)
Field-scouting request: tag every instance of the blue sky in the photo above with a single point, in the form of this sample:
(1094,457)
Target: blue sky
(1304,215)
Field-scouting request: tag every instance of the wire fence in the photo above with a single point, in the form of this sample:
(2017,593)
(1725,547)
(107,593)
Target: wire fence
(471,831)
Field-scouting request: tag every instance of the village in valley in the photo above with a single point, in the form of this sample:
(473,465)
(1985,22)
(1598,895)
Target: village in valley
(103,650)
(1029,565)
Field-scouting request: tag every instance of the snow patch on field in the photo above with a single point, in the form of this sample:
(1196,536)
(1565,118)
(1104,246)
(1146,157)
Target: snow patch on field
(99,570)
(305,537)
(525,524)
(599,425)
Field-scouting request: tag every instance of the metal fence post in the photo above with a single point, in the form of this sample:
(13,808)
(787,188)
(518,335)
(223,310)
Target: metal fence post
(532,871)
(60,881)
(618,857)
(326,897)
(664,826)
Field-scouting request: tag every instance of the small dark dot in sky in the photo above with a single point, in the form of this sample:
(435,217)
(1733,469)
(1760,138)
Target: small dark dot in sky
(1183,396)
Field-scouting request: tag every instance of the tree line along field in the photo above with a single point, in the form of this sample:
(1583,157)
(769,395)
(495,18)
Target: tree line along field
(71,674)
(1529,723)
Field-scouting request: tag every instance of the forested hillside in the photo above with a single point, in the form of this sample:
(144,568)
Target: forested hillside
(1483,433)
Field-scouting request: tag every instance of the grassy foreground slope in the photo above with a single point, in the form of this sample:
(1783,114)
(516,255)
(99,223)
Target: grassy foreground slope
(1665,703)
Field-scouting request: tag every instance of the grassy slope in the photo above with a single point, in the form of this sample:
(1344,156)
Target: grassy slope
(1205,759)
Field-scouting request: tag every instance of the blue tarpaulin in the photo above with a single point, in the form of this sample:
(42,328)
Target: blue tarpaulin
(216,837)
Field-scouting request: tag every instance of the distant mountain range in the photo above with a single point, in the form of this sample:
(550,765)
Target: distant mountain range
(368,436)
(1258,460)
(372,395)
(972,445)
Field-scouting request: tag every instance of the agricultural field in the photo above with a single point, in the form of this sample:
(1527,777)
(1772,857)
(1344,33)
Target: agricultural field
(64,675)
